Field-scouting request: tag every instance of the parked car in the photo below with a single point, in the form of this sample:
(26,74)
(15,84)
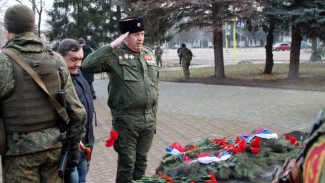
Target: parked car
(281,46)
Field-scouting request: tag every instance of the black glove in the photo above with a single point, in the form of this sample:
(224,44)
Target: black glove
(74,157)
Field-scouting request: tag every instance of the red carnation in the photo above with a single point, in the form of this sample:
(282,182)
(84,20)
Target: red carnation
(235,150)
(287,137)
(213,178)
(255,150)
(114,134)
(242,145)
(257,139)
(297,144)
(109,142)
(254,144)
(237,139)
(293,140)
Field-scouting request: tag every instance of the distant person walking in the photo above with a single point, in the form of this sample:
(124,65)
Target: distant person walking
(158,54)
(186,55)
(88,76)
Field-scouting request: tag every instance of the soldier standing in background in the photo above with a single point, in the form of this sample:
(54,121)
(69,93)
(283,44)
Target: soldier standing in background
(132,95)
(72,53)
(186,55)
(158,54)
(88,76)
(33,148)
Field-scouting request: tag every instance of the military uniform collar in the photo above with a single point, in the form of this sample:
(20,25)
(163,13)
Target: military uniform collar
(26,42)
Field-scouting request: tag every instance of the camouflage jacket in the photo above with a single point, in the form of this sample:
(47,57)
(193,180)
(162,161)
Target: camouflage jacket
(133,86)
(185,54)
(30,44)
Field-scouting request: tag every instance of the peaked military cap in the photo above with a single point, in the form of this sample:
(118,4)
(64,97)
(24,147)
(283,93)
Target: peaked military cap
(131,25)
(19,18)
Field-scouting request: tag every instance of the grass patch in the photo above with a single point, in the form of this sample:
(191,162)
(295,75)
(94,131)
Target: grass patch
(311,76)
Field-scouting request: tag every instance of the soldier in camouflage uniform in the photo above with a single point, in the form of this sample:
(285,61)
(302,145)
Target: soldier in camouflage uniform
(33,147)
(158,53)
(132,95)
(186,55)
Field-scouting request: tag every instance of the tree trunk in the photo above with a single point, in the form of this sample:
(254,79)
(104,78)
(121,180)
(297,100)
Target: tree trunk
(39,23)
(295,53)
(218,53)
(314,44)
(269,62)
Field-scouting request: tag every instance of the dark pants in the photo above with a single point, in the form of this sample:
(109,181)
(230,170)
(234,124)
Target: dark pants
(133,144)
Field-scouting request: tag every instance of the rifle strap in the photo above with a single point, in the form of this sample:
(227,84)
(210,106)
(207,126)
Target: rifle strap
(61,111)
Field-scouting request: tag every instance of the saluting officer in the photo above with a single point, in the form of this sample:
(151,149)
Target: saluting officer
(33,149)
(132,95)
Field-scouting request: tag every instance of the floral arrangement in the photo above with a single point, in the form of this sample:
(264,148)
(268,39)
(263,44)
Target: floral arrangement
(246,156)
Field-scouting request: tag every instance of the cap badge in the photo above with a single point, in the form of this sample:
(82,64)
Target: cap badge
(139,24)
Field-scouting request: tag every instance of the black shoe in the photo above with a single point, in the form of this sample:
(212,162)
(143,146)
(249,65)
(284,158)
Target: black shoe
(94,97)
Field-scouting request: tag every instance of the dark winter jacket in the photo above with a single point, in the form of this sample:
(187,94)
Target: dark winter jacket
(88,76)
(84,93)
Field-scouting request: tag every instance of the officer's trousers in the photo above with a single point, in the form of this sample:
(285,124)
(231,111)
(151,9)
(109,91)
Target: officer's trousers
(133,144)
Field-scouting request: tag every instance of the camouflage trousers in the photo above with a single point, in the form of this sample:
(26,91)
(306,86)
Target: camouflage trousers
(37,167)
(186,70)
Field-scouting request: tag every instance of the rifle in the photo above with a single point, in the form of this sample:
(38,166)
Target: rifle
(65,167)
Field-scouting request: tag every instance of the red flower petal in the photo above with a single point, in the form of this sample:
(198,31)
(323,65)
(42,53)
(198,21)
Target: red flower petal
(293,140)
(254,144)
(242,145)
(255,150)
(297,144)
(287,137)
(109,142)
(113,134)
(213,178)
(235,150)
(237,139)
